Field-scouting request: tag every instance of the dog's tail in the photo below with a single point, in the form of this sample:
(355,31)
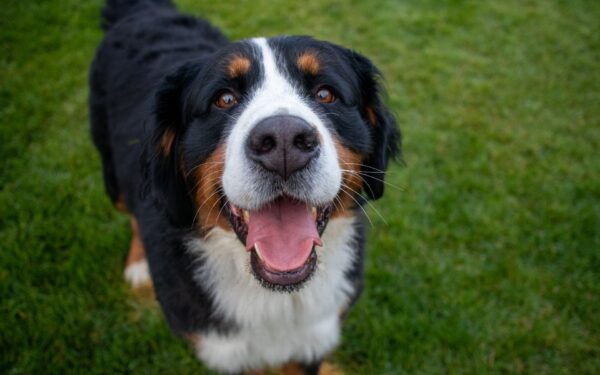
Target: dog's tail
(115,10)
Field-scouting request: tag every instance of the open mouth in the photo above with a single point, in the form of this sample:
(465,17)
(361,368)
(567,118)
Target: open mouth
(281,237)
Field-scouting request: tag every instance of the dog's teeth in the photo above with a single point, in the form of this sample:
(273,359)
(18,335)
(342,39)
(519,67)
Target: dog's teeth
(246,216)
(314,212)
(257,251)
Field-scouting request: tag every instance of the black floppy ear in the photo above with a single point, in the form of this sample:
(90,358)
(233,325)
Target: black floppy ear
(386,138)
(165,169)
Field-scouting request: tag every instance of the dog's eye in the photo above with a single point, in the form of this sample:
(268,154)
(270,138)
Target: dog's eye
(226,100)
(325,95)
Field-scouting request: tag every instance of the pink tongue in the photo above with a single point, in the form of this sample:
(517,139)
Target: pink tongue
(284,231)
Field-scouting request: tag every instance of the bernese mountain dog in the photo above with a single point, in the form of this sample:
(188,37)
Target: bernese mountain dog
(243,166)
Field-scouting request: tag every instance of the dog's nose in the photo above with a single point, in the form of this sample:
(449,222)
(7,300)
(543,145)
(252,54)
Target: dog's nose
(283,144)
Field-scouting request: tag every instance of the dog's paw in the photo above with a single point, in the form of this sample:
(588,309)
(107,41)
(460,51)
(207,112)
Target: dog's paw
(137,274)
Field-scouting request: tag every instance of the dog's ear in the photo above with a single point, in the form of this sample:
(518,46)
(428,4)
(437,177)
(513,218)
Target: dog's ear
(386,138)
(165,169)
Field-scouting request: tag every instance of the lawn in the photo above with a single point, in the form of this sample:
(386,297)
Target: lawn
(484,255)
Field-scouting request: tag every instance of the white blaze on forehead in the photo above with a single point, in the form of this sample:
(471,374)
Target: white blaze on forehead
(276,95)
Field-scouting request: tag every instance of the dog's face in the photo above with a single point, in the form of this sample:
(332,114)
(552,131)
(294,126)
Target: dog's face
(270,139)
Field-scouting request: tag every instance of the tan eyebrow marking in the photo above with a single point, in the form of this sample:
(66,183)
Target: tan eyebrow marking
(238,66)
(309,63)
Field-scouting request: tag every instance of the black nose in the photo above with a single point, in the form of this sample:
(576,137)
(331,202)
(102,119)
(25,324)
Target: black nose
(283,144)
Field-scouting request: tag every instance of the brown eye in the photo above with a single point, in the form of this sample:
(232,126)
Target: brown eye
(325,95)
(226,100)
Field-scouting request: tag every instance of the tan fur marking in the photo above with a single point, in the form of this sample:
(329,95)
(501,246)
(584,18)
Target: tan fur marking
(351,180)
(208,178)
(194,339)
(238,66)
(371,116)
(136,254)
(329,369)
(120,204)
(136,249)
(166,142)
(292,369)
(295,369)
(145,296)
(309,63)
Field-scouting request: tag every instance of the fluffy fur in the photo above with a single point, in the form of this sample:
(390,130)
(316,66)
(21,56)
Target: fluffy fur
(274,327)
(176,160)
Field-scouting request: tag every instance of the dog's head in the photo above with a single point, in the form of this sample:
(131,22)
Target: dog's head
(271,139)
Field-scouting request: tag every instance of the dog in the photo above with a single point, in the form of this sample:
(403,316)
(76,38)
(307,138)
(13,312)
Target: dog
(244,167)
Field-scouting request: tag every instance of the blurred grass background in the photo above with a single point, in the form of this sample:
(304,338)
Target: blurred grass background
(486,260)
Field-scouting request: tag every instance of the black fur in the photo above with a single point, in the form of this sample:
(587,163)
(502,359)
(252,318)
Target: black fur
(386,138)
(137,82)
(115,10)
(170,188)
(188,308)
(158,72)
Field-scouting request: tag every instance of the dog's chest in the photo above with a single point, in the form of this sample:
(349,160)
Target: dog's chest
(273,327)
(270,343)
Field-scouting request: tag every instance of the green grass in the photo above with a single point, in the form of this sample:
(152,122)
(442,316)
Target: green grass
(489,257)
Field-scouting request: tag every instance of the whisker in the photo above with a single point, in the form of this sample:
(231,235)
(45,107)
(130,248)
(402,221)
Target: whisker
(202,205)
(365,166)
(358,205)
(222,208)
(375,178)
(372,170)
(212,173)
(202,164)
(194,219)
(361,177)
(369,203)
(336,200)
(213,206)
(217,191)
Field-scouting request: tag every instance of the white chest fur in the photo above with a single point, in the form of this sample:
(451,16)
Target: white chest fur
(275,327)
